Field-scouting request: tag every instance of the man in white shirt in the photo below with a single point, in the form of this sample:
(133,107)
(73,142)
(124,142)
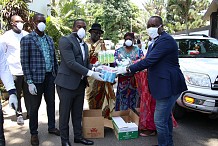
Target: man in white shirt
(10,42)
(7,80)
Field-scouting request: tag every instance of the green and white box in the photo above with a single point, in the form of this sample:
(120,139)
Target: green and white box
(125,125)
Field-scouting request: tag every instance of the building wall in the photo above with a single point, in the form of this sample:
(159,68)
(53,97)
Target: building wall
(43,7)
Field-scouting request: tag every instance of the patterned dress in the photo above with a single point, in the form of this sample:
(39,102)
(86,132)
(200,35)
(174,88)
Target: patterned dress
(100,95)
(127,95)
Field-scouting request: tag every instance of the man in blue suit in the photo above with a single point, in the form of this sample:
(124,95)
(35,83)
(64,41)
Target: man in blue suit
(166,81)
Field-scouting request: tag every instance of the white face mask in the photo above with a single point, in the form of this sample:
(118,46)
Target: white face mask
(128,43)
(41,26)
(153,32)
(20,25)
(81,33)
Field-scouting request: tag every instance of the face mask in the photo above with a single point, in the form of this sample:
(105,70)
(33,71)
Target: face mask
(153,32)
(20,25)
(128,43)
(81,33)
(41,26)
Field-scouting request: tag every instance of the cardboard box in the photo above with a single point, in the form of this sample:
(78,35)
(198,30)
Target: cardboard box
(93,124)
(125,124)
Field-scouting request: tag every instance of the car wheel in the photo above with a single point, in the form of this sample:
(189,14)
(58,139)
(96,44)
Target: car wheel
(178,111)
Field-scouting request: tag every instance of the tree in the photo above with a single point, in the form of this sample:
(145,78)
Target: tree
(185,14)
(116,18)
(15,7)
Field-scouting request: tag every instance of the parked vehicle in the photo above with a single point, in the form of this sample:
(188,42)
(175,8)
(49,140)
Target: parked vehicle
(198,58)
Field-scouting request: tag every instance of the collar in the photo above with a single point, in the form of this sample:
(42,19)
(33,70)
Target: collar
(80,42)
(36,34)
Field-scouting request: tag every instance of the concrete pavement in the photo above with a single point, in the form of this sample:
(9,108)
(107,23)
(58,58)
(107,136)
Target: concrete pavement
(193,130)
(17,135)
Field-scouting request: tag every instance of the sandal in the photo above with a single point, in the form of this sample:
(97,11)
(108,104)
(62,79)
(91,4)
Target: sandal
(145,133)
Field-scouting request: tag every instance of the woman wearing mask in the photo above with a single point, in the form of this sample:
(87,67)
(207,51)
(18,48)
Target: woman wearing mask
(127,95)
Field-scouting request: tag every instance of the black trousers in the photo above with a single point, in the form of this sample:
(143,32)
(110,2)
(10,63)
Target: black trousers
(71,103)
(2,137)
(48,89)
(21,87)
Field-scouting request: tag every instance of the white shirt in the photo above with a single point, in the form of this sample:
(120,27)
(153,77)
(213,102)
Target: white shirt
(10,41)
(82,48)
(5,73)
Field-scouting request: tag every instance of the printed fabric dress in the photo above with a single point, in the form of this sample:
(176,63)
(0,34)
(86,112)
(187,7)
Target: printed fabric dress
(100,95)
(127,95)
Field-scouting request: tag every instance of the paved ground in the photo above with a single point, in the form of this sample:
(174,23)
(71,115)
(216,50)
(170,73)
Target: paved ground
(194,130)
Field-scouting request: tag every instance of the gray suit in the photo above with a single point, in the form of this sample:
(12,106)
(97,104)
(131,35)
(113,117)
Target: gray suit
(71,82)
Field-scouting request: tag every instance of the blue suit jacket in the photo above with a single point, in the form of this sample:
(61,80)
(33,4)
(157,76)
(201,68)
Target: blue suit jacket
(164,75)
(32,58)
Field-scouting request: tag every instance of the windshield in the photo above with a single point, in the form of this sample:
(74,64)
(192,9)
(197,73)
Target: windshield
(201,48)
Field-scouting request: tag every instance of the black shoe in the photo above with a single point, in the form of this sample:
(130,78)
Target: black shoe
(54,131)
(67,143)
(34,140)
(83,141)
(154,145)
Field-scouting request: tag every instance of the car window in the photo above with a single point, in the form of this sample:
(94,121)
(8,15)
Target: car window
(190,48)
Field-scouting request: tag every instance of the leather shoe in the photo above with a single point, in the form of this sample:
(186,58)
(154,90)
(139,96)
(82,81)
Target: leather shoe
(83,141)
(154,145)
(54,131)
(34,140)
(66,143)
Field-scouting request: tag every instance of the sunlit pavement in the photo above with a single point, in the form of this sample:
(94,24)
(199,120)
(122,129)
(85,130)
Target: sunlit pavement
(195,130)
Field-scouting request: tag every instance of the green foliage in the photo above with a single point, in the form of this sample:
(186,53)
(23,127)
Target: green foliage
(116,18)
(185,14)
(15,7)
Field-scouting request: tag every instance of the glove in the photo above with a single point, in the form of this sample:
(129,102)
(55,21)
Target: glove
(118,62)
(126,62)
(13,103)
(95,75)
(32,89)
(121,70)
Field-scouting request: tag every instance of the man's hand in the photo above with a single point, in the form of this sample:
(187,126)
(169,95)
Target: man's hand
(32,89)
(13,101)
(121,70)
(97,76)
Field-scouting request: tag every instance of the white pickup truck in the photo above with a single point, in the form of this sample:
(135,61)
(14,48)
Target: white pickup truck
(198,58)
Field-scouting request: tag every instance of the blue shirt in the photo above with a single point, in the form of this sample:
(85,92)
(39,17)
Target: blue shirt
(46,52)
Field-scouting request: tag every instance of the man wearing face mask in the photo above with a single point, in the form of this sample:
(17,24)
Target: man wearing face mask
(100,95)
(39,65)
(71,81)
(165,79)
(10,42)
